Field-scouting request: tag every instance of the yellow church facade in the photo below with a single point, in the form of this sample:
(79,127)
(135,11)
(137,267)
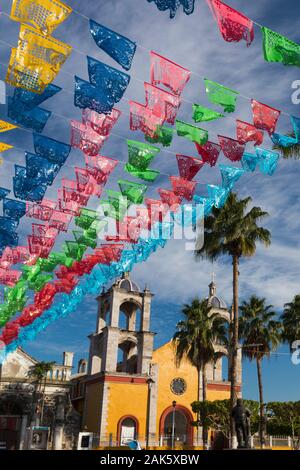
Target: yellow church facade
(130,391)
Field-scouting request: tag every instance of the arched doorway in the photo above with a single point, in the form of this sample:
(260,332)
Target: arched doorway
(127,430)
(183,429)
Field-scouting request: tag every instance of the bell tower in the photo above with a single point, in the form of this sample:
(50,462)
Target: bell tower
(122,341)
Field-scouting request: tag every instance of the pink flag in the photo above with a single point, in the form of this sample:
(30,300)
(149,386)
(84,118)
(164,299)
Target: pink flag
(162,103)
(165,72)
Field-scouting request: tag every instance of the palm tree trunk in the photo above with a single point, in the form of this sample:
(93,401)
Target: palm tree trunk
(204,398)
(261,404)
(234,340)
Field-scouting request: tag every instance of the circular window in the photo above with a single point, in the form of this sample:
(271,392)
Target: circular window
(178,386)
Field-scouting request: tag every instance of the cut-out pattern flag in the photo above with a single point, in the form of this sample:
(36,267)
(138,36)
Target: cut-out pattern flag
(143,119)
(173,5)
(162,103)
(231,148)
(246,132)
(201,113)
(264,117)
(140,156)
(120,48)
(44,15)
(286,140)
(268,160)
(190,132)
(219,94)
(278,48)
(110,80)
(165,72)
(163,135)
(188,166)
(209,152)
(233,25)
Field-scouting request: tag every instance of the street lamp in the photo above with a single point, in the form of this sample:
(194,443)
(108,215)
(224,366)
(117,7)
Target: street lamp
(173,423)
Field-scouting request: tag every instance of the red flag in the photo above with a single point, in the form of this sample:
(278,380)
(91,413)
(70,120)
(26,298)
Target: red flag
(169,197)
(142,118)
(231,148)
(209,152)
(233,25)
(162,103)
(264,117)
(246,132)
(183,187)
(165,72)
(188,166)
(100,123)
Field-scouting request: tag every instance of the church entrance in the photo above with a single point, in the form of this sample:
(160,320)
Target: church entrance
(127,431)
(179,420)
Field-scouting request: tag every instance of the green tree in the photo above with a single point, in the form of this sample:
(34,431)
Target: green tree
(260,334)
(39,374)
(195,340)
(234,232)
(291,321)
(217,414)
(284,418)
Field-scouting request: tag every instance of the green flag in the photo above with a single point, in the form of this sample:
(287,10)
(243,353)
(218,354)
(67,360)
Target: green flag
(163,135)
(278,48)
(205,114)
(146,175)
(116,206)
(140,155)
(193,133)
(133,191)
(219,94)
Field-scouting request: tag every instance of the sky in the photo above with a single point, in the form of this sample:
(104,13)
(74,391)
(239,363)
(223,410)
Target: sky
(172,273)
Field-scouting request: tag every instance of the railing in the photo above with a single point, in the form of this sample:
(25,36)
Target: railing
(273,441)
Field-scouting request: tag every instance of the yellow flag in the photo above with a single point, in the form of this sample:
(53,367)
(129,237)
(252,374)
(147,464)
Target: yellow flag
(44,15)
(4,147)
(28,72)
(6,126)
(48,50)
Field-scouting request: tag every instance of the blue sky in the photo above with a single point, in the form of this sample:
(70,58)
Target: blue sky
(172,274)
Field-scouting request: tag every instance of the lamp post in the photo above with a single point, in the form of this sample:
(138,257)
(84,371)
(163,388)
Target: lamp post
(173,423)
(150,382)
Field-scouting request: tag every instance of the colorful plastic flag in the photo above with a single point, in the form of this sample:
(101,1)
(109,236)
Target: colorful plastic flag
(85,138)
(286,140)
(142,118)
(249,161)
(31,100)
(140,155)
(120,48)
(169,197)
(163,135)
(89,96)
(146,175)
(218,194)
(44,15)
(6,126)
(4,147)
(231,148)
(246,132)
(100,123)
(264,117)
(112,81)
(28,72)
(116,206)
(234,26)
(219,94)
(230,175)
(183,187)
(133,191)
(48,50)
(162,103)
(209,152)
(188,166)
(173,5)
(190,132)
(51,149)
(268,160)
(201,114)
(41,168)
(34,119)
(165,72)
(13,209)
(278,48)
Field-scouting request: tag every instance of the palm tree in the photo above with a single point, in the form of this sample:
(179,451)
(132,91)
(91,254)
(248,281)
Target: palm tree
(233,231)
(291,321)
(39,373)
(260,335)
(195,340)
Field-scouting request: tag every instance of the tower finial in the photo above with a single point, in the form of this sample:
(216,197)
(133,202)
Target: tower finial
(212,286)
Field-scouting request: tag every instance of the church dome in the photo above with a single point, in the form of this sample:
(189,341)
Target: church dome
(213,300)
(127,284)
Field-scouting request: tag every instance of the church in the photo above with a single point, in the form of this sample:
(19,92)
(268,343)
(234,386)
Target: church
(129,391)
